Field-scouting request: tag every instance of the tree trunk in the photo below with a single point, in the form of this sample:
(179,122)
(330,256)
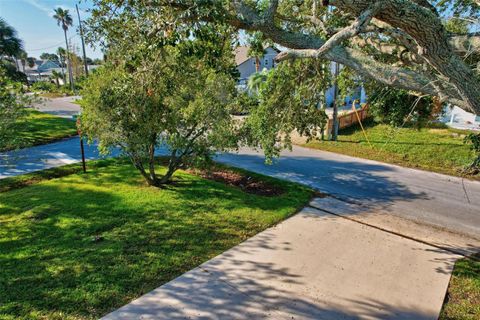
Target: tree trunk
(137,163)
(16,63)
(257,64)
(151,161)
(69,66)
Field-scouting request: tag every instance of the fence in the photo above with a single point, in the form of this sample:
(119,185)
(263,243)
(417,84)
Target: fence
(347,119)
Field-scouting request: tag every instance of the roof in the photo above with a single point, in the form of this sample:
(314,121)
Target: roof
(241,54)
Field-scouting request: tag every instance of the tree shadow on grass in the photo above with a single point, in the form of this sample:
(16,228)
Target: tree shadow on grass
(83,245)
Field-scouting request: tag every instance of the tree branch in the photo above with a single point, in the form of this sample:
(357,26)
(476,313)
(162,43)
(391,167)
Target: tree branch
(272,9)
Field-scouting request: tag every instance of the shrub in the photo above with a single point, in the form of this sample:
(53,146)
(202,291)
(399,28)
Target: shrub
(394,107)
(44,86)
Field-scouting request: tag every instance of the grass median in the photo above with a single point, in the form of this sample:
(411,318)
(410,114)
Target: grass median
(39,128)
(433,149)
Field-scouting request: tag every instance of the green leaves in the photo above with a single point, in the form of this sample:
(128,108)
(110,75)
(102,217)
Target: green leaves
(12,108)
(289,101)
(169,96)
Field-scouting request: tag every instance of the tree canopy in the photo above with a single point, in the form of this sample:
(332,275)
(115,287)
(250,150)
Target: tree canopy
(403,44)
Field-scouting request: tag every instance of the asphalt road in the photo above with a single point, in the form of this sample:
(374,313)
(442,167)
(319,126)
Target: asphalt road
(61,107)
(449,202)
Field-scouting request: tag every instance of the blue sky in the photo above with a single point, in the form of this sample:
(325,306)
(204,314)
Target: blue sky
(35,26)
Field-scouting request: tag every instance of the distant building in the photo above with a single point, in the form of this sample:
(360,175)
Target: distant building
(458,118)
(248,65)
(42,70)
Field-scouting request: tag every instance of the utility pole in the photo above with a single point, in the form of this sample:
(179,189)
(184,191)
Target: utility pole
(335,103)
(69,64)
(82,149)
(83,41)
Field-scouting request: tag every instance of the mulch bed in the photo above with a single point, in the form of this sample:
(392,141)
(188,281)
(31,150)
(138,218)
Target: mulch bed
(247,183)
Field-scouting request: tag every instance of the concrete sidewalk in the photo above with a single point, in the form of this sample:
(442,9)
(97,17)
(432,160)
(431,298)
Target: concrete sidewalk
(314,265)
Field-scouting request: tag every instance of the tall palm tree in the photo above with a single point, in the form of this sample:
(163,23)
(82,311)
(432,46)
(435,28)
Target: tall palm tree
(64,19)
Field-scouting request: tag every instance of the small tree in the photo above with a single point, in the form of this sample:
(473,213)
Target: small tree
(167,99)
(55,76)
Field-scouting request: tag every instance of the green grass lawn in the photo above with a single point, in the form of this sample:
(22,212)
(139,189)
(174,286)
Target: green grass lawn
(79,246)
(463,296)
(439,150)
(38,128)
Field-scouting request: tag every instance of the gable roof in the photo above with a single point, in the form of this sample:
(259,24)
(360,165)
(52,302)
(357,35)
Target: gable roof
(241,54)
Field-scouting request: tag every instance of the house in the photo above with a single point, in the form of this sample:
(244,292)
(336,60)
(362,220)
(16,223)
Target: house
(42,70)
(248,65)
(458,118)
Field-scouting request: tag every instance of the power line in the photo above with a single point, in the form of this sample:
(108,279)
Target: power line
(55,45)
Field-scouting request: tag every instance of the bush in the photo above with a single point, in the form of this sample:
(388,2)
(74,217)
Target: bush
(474,140)
(44,86)
(393,107)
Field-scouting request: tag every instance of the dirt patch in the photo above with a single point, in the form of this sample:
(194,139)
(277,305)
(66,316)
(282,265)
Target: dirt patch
(245,182)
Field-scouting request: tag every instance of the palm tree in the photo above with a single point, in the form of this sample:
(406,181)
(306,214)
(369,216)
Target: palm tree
(61,56)
(10,44)
(56,75)
(256,49)
(64,19)
(23,59)
(256,80)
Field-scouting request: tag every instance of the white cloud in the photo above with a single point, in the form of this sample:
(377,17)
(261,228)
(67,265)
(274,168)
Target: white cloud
(41,6)
(49,9)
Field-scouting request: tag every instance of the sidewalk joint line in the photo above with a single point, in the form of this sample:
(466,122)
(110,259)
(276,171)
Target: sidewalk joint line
(393,232)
